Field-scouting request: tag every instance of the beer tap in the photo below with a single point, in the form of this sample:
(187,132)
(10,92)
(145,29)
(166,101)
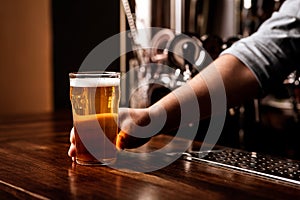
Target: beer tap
(188,50)
(137,48)
(293,87)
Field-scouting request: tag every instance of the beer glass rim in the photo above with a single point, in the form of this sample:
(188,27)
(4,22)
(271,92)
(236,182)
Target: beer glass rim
(95,74)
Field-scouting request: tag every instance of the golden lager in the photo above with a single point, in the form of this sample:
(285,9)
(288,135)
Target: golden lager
(95,101)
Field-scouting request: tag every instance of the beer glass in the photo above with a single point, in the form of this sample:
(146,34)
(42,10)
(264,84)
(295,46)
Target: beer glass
(95,100)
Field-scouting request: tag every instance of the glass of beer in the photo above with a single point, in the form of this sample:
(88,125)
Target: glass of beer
(95,100)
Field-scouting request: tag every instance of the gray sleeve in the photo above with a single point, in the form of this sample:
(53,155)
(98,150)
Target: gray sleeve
(273,51)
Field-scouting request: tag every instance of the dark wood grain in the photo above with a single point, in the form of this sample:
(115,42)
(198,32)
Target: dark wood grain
(35,165)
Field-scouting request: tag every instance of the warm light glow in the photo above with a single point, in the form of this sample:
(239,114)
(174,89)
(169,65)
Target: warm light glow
(178,14)
(143,20)
(247,4)
(143,13)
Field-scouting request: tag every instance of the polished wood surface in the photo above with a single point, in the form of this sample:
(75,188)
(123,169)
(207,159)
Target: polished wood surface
(35,165)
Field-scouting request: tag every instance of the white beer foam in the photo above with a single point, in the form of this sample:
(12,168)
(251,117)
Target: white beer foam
(94,82)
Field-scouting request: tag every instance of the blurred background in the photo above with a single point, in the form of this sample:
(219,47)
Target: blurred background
(43,40)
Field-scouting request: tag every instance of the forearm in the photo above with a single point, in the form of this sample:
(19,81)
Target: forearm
(237,82)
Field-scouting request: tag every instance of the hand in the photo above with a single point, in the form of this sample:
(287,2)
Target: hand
(128,119)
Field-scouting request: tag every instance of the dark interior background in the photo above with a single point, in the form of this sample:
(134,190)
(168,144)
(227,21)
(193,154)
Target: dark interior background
(78,26)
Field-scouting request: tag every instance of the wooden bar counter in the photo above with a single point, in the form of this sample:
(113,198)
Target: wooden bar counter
(34,165)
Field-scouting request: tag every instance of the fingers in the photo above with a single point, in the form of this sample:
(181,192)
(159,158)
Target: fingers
(129,120)
(126,141)
(72,136)
(72,148)
(72,152)
(120,141)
